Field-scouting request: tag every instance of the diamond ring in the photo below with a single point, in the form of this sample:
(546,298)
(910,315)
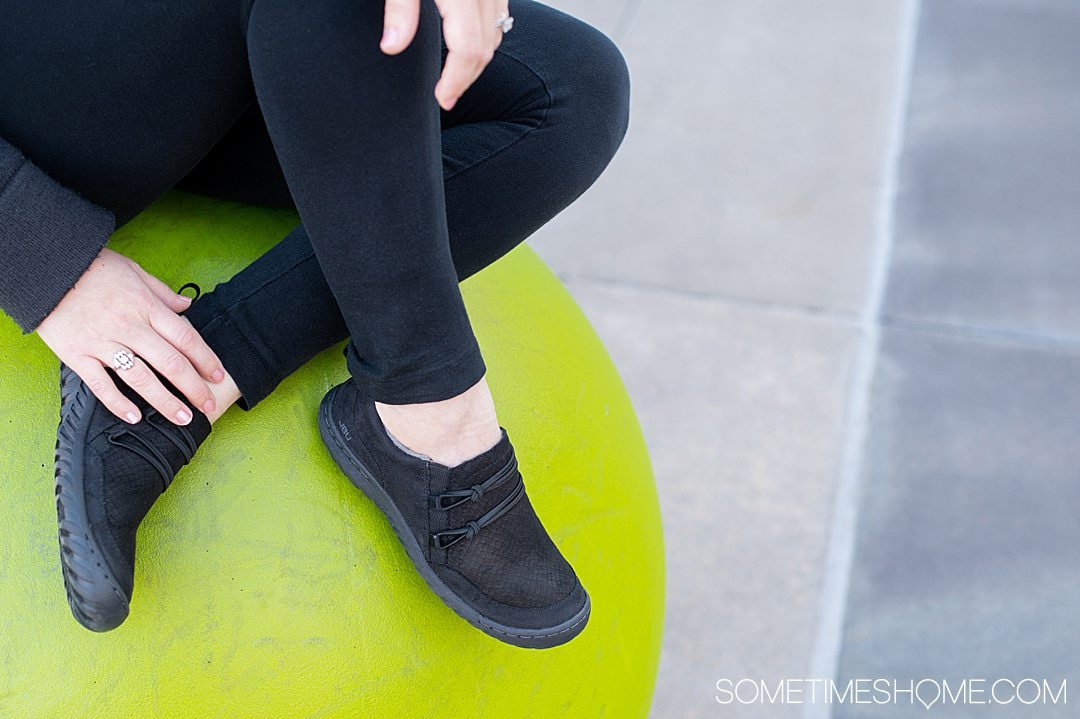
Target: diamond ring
(122,359)
(505,22)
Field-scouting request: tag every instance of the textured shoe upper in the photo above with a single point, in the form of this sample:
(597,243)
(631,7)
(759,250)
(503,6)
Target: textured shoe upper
(511,559)
(126,468)
(474,521)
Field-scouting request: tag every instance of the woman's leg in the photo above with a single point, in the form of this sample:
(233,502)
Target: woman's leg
(117,101)
(516,158)
(167,82)
(357,134)
(124,128)
(535,130)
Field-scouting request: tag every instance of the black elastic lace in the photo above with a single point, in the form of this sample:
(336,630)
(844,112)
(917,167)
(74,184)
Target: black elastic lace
(448,537)
(475,492)
(185,443)
(192,285)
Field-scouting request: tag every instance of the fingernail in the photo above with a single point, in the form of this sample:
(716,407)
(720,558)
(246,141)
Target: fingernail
(390,36)
(185,299)
(132,418)
(184,416)
(208,406)
(217,376)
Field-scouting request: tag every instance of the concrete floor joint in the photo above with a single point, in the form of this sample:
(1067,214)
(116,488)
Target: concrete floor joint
(824,661)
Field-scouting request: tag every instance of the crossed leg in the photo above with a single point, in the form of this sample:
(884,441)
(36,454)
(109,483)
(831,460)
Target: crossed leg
(392,220)
(527,139)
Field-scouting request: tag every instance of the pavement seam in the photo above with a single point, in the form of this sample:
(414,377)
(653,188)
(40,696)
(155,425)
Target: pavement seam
(849,317)
(955,329)
(840,550)
(985,334)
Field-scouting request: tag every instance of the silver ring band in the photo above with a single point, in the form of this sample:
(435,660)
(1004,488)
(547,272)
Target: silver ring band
(505,22)
(122,360)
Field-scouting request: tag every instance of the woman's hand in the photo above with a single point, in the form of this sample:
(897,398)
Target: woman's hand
(117,305)
(471,38)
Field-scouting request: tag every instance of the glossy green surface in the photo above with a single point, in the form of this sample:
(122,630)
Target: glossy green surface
(268,586)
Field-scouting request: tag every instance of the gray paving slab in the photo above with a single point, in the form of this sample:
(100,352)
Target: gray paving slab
(741,408)
(989,208)
(751,168)
(609,16)
(966,560)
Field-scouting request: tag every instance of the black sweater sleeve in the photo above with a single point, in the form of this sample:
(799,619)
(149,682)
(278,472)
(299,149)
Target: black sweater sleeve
(49,235)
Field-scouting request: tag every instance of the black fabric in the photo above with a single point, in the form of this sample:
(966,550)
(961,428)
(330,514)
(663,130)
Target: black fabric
(412,477)
(543,617)
(120,485)
(121,101)
(510,562)
(41,219)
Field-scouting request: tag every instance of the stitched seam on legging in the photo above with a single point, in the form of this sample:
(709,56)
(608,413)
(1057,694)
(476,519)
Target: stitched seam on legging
(417,377)
(529,131)
(225,310)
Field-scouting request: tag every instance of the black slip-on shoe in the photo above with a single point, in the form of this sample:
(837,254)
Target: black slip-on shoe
(470,530)
(108,475)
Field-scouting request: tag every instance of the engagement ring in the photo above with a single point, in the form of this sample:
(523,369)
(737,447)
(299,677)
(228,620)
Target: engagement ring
(122,359)
(505,22)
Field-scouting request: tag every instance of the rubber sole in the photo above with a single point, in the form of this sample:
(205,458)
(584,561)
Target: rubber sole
(95,597)
(359,475)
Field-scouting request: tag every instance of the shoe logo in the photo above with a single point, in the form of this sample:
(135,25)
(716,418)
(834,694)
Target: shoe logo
(345,431)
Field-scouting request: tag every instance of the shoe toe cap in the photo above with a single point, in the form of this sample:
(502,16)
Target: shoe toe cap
(527,626)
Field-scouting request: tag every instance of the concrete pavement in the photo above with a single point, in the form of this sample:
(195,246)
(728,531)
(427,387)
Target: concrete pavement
(835,262)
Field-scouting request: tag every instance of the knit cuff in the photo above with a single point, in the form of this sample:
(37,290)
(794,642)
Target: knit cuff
(49,235)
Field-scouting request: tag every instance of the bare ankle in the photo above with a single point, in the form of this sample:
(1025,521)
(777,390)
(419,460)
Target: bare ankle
(226,394)
(450,431)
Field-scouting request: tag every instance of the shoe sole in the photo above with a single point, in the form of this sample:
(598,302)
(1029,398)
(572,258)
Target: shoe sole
(95,598)
(528,638)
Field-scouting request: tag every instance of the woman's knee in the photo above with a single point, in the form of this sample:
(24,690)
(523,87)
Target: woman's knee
(588,82)
(606,85)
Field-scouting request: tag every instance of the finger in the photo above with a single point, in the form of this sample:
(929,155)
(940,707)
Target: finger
(101,385)
(174,366)
(400,20)
(468,53)
(141,379)
(178,332)
(174,301)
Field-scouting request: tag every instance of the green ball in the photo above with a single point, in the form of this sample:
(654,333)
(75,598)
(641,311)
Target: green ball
(268,586)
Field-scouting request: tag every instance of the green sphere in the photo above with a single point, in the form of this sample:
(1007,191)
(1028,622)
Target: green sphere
(268,586)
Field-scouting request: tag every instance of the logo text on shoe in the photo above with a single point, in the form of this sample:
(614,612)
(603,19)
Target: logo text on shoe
(345,431)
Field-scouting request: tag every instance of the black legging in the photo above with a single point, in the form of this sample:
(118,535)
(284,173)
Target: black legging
(121,101)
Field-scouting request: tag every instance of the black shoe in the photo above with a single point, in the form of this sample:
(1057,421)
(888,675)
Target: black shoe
(470,530)
(108,475)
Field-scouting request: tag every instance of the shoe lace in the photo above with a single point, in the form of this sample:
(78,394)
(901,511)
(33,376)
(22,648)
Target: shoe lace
(132,441)
(192,285)
(457,497)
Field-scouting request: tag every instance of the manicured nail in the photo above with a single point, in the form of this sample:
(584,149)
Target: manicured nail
(208,406)
(132,418)
(184,416)
(390,36)
(217,376)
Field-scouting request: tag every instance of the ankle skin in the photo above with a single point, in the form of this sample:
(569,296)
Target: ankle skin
(226,394)
(450,431)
